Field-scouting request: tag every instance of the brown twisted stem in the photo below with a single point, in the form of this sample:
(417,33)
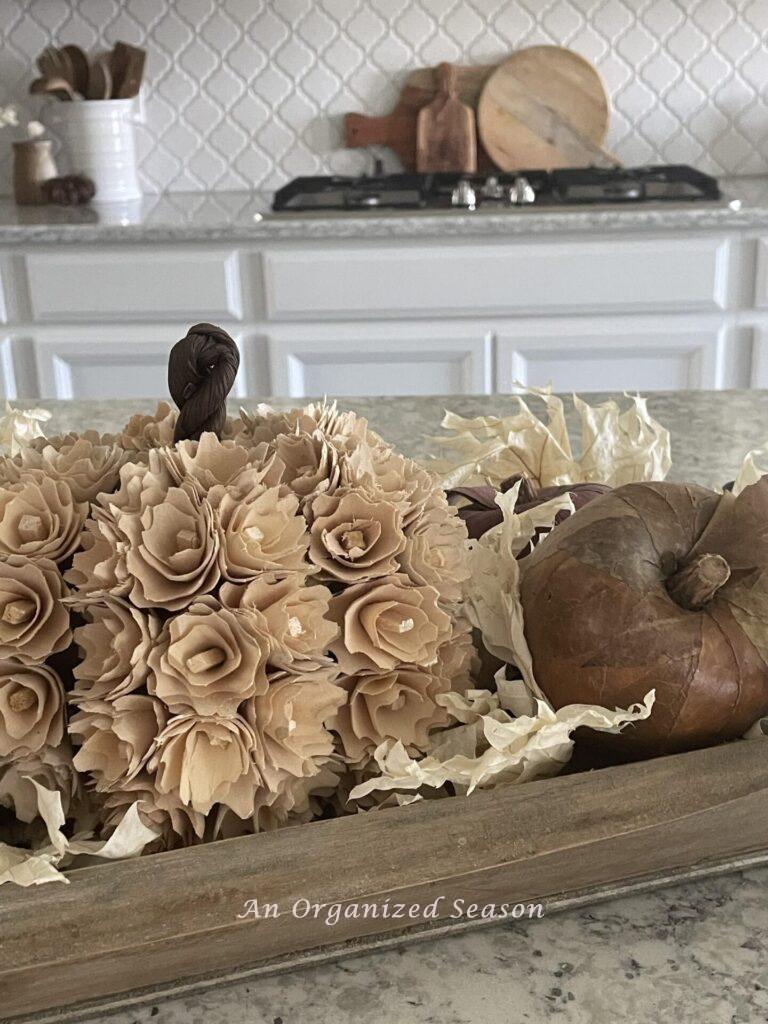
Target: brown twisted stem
(201,371)
(694,586)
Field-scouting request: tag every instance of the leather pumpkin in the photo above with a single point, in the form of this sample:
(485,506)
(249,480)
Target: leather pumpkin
(656,586)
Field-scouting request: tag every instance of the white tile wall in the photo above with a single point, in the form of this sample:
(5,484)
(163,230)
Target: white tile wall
(249,93)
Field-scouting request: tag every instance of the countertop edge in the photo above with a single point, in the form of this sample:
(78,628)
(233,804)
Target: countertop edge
(344,227)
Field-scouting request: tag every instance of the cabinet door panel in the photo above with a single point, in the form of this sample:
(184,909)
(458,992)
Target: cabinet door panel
(368,361)
(109,362)
(498,279)
(660,358)
(133,284)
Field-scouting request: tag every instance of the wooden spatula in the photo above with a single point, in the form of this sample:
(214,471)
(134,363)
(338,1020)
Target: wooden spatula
(127,67)
(445,131)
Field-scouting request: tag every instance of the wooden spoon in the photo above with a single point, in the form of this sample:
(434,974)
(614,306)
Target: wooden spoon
(58,87)
(80,67)
(99,80)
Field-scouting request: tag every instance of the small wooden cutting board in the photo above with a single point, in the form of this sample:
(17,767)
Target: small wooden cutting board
(445,130)
(397,130)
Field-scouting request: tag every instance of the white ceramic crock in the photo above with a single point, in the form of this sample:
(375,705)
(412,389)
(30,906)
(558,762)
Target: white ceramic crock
(99,138)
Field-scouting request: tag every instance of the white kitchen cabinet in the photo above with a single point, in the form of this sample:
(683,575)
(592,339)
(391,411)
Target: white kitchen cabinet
(375,359)
(761,273)
(537,279)
(430,315)
(10,378)
(759,377)
(111,362)
(613,355)
(133,283)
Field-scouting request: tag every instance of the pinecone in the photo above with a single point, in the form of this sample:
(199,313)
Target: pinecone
(70,190)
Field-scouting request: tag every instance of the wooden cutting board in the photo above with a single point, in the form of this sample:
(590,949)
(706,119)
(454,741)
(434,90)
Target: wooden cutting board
(544,107)
(397,130)
(445,130)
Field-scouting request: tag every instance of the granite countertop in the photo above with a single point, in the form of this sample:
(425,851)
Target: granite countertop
(696,952)
(246,216)
(711,430)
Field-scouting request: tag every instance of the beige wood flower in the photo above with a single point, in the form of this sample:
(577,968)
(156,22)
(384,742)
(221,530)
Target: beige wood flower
(310,461)
(31,708)
(50,767)
(210,659)
(295,616)
(141,433)
(289,719)
(204,761)
(89,463)
(39,518)
(209,461)
(380,473)
(288,801)
(99,565)
(33,622)
(437,552)
(397,705)
(261,533)
(116,737)
(176,824)
(388,622)
(354,539)
(114,645)
(171,547)
(458,662)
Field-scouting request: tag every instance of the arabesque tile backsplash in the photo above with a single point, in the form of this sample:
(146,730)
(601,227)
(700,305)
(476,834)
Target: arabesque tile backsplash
(245,94)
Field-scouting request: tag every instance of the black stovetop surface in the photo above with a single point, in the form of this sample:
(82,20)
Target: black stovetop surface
(591,185)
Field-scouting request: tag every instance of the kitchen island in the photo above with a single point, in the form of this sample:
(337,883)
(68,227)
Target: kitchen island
(660,296)
(695,952)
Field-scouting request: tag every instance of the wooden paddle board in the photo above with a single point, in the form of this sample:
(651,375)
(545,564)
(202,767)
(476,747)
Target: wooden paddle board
(445,130)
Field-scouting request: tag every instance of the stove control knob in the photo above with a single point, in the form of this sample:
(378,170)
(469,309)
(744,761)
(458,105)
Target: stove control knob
(464,195)
(492,189)
(521,192)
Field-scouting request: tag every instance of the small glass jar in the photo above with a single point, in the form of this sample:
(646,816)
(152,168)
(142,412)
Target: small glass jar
(33,165)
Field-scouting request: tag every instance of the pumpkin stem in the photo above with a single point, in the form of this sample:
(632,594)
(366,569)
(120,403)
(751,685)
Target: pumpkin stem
(695,585)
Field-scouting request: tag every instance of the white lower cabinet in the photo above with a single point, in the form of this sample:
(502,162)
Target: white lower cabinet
(613,356)
(110,362)
(376,359)
(413,317)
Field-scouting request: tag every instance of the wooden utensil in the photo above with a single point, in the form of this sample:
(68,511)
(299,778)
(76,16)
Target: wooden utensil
(397,130)
(544,107)
(99,80)
(58,87)
(127,66)
(80,67)
(445,130)
(49,63)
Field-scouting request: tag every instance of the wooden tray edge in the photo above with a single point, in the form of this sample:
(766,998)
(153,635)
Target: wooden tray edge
(361,946)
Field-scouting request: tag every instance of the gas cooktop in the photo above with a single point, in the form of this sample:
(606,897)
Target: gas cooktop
(678,183)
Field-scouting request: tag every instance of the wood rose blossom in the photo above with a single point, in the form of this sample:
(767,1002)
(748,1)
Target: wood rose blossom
(222,630)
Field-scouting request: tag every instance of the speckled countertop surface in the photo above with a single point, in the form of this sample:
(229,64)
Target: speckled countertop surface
(245,216)
(696,953)
(711,430)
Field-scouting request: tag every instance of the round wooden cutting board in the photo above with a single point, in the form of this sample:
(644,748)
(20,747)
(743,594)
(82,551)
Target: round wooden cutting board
(544,107)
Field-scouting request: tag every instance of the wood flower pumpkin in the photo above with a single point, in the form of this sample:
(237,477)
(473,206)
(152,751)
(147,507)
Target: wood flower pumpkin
(663,586)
